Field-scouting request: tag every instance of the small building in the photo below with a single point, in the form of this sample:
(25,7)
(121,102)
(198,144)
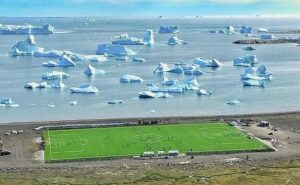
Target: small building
(263,124)
(173,152)
(160,153)
(148,154)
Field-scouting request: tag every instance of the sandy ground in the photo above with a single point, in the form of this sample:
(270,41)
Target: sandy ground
(26,152)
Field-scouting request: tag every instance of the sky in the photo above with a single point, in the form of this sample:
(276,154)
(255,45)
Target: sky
(56,8)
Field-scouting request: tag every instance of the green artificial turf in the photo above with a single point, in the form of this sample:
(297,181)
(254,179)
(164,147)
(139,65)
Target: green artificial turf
(84,143)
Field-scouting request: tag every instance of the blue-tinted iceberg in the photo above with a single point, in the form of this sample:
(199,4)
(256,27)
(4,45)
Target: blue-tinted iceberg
(168,82)
(149,38)
(25,48)
(130,79)
(246,61)
(90,70)
(170,29)
(246,29)
(176,70)
(66,61)
(58,85)
(174,41)
(204,92)
(55,75)
(124,39)
(122,58)
(26,29)
(201,62)
(113,49)
(268,36)
(137,59)
(49,53)
(85,89)
(7,102)
(259,73)
(162,67)
(50,64)
(193,72)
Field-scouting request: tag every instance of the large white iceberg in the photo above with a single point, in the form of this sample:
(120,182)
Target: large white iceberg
(25,48)
(259,73)
(26,29)
(149,38)
(162,67)
(146,94)
(130,78)
(90,70)
(124,39)
(7,102)
(170,29)
(207,63)
(174,40)
(48,53)
(246,61)
(262,30)
(55,75)
(246,29)
(84,89)
(176,70)
(66,61)
(113,49)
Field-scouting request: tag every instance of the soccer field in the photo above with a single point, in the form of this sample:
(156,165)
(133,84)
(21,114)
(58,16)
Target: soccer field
(70,144)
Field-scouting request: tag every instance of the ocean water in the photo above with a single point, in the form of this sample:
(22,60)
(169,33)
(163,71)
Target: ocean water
(279,95)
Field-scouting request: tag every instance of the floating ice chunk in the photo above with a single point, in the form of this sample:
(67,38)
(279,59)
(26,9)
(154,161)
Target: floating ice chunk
(171,29)
(246,29)
(55,75)
(128,41)
(234,102)
(73,103)
(90,70)
(115,101)
(259,73)
(130,79)
(267,36)
(84,89)
(230,30)
(113,49)
(25,48)
(66,61)
(33,85)
(176,88)
(176,70)
(193,72)
(207,63)
(253,83)
(58,85)
(162,67)
(136,59)
(262,30)
(123,58)
(48,53)
(168,82)
(26,29)
(7,102)
(149,38)
(249,48)
(162,95)
(51,105)
(174,41)
(246,61)
(204,92)
(147,94)
(50,64)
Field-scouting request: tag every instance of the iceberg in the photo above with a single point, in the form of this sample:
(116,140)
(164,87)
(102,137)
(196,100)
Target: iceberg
(234,102)
(33,85)
(130,79)
(267,36)
(50,64)
(90,70)
(176,70)
(55,75)
(246,29)
(174,41)
(168,82)
(113,49)
(254,83)
(149,38)
(136,59)
(115,101)
(201,62)
(249,48)
(7,102)
(176,88)
(259,73)
(66,61)
(246,61)
(204,92)
(49,53)
(58,85)
(73,103)
(26,30)
(122,58)
(124,39)
(162,67)
(147,94)
(230,30)
(262,30)
(25,48)
(84,89)
(171,29)
(193,72)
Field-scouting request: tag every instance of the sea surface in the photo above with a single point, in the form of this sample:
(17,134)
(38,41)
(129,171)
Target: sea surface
(82,35)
